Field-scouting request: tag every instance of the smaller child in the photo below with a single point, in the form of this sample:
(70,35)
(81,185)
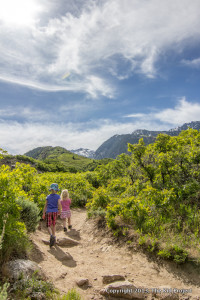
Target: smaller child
(66,212)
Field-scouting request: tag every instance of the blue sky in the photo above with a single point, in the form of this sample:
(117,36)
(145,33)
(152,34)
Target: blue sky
(73,73)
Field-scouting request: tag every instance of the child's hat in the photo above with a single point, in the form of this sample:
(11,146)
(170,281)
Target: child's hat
(54,186)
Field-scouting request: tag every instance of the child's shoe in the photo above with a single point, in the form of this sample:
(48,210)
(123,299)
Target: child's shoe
(65,229)
(70,226)
(52,240)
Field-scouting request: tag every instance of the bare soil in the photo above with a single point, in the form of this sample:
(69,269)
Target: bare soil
(97,254)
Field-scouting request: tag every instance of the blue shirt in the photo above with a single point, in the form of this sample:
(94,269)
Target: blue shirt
(52,203)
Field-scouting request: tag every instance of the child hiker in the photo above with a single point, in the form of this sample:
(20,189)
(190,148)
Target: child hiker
(51,210)
(66,212)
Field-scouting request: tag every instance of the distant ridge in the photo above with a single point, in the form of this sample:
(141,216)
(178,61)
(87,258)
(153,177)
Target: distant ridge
(193,125)
(44,152)
(117,144)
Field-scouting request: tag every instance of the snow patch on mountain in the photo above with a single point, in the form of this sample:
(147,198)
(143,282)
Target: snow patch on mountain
(84,152)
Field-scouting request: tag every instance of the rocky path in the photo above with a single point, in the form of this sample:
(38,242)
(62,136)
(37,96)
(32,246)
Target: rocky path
(95,256)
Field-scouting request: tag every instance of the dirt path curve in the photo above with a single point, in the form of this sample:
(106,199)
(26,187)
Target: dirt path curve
(97,255)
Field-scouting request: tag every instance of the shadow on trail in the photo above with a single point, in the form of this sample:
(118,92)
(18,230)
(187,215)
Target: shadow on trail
(73,233)
(64,257)
(188,272)
(36,254)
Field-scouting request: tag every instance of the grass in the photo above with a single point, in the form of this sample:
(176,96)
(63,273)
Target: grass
(71,295)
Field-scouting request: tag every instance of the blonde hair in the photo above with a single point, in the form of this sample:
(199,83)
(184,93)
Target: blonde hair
(64,194)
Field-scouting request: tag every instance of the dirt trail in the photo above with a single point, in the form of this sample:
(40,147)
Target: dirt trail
(97,255)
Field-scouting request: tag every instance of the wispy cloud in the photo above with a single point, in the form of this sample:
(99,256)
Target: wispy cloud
(25,113)
(68,112)
(86,41)
(194,63)
(138,115)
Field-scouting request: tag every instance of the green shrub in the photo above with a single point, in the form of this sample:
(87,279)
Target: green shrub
(33,288)
(100,212)
(15,242)
(93,179)
(78,200)
(71,295)
(100,199)
(73,170)
(14,239)
(5,217)
(174,253)
(165,253)
(179,255)
(3,291)
(29,213)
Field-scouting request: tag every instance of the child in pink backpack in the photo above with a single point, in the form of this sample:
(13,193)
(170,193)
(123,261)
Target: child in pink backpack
(66,212)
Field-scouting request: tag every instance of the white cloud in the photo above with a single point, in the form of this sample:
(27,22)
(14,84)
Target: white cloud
(86,43)
(19,13)
(183,112)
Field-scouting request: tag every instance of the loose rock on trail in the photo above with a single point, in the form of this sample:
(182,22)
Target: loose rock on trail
(92,256)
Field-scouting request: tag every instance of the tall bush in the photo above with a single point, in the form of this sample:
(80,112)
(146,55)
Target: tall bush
(14,240)
(29,213)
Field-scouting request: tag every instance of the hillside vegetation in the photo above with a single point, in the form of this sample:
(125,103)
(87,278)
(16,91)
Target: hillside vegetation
(54,159)
(156,192)
(60,156)
(150,198)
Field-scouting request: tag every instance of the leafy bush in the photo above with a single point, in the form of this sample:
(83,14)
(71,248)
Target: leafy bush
(15,239)
(100,212)
(33,288)
(174,253)
(29,213)
(165,253)
(15,242)
(179,255)
(92,178)
(3,291)
(100,199)
(71,295)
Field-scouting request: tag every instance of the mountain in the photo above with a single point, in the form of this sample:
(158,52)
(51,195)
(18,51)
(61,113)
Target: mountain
(42,153)
(117,144)
(63,160)
(84,152)
(60,157)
